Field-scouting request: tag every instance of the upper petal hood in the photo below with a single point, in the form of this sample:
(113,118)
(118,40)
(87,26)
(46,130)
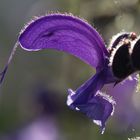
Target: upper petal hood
(65,33)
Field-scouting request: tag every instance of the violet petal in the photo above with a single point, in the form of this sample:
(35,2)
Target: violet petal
(87,90)
(65,33)
(99,109)
(89,100)
(91,86)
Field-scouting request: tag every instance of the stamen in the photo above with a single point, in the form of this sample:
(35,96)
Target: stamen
(2,74)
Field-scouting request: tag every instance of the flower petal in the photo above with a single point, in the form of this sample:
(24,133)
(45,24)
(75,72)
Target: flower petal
(65,33)
(91,86)
(89,100)
(87,90)
(99,109)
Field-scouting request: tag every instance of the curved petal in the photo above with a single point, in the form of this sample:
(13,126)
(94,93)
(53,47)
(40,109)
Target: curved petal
(65,33)
(89,100)
(87,90)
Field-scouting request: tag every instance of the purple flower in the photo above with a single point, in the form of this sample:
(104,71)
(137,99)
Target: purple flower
(74,36)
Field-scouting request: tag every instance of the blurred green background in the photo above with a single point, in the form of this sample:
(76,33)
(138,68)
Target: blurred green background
(54,72)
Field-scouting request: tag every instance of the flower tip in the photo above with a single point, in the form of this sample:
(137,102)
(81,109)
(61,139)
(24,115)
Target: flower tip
(100,123)
(102,130)
(2,74)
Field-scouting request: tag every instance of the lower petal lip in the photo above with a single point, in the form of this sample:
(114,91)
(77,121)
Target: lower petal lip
(89,100)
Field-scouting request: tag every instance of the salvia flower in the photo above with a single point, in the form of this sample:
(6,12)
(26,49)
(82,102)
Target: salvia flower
(75,36)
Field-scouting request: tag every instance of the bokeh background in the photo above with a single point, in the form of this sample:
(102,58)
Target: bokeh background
(33,94)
